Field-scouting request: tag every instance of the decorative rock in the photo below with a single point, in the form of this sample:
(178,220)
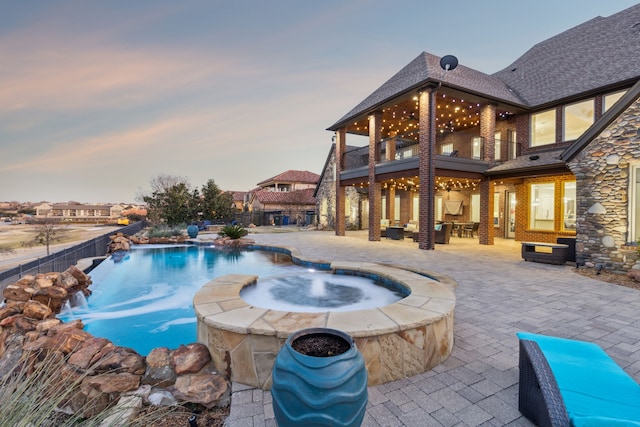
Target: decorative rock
(204,389)
(54,297)
(82,278)
(162,398)
(83,357)
(160,369)
(8,311)
(18,292)
(125,411)
(122,359)
(112,383)
(43,281)
(47,324)
(191,358)
(68,282)
(37,310)
(634,274)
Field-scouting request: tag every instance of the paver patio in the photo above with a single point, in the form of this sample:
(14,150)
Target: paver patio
(499,294)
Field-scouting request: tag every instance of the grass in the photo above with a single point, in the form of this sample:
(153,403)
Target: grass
(43,384)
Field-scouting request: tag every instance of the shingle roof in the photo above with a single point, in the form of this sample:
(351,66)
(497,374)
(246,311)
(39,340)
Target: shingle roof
(600,53)
(294,176)
(424,69)
(298,197)
(596,54)
(531,161)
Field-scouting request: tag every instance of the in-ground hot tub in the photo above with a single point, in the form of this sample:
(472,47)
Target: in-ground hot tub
(398,340)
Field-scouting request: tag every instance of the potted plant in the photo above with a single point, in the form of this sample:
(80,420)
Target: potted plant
(192,231)
(319,378)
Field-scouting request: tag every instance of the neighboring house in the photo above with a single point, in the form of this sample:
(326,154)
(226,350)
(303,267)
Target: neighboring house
(79,212)
(286,198)
(241,200)
(525,152)
(290,180)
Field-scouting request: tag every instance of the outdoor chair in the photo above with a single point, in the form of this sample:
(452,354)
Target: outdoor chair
(469,229)
(443,234)
(567,382)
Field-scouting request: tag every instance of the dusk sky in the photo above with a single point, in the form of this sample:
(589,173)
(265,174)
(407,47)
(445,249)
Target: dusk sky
(98,97)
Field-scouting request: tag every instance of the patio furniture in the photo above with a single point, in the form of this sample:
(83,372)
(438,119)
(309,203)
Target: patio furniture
(469,229)
(566,382)
(549,253)
(443,235)
(395,233)
(384,223)
(410,228)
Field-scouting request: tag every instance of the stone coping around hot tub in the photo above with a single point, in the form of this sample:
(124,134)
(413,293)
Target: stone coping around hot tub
(218,304)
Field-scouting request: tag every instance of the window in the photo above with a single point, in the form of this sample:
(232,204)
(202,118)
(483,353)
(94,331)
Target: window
(438,209)
(383,206)
(513,147)
(396,208)
(476,147)
(610,99)
(569,206)
(498,145)
(475,208)
(496,209)
(634,203)
(543,128)
(577,119)
(541,207)
(447,149)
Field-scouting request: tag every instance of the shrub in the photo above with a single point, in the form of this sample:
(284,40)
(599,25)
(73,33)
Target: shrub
(164,231)
(233,231)
(33,394)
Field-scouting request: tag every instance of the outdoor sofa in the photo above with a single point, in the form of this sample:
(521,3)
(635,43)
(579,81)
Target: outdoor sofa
(566,382)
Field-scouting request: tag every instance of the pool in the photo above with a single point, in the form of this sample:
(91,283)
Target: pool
(144,299)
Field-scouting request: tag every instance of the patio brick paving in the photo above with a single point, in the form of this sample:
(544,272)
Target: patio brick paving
(499,294)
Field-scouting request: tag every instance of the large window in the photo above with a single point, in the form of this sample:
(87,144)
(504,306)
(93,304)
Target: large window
(610,99)
(577,119)
(569,206)
(541,206)
(476,147)
(543,128)
(498,146)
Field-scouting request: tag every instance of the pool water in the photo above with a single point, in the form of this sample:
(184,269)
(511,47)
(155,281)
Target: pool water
(144,299)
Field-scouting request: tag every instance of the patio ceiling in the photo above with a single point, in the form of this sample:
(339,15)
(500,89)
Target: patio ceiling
(443,183)
(454,111)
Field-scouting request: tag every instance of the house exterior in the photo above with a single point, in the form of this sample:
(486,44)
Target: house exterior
(506,150)
(79,212)
(287,198)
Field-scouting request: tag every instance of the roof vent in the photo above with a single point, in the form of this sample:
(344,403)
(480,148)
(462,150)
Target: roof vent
(534,157)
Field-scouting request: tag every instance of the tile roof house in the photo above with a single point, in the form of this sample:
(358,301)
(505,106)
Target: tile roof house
(79,212)
(510,147)
(286,198)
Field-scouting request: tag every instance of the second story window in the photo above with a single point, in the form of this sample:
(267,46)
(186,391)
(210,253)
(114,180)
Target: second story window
(577,119)
(610,99)
(543,128)
(447,149)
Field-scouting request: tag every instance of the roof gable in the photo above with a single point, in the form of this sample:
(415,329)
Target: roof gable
(293,176)
(426,68)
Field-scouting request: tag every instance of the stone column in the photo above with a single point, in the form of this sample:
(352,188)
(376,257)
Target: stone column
(375,210)
(488,132)
(340,190)
(427,167)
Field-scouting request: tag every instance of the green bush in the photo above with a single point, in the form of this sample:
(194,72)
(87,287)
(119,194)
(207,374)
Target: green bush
(233,231)
(164,231)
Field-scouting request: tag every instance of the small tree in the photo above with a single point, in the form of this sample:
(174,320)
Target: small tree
(214,203)
(47,232)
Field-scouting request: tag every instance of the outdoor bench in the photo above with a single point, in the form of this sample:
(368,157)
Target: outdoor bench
(566,382)
(550,253)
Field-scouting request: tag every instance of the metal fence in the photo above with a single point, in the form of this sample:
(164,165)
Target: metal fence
(61,260)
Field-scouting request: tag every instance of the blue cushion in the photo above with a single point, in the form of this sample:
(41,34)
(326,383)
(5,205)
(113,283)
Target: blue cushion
(438,227)
(594,388)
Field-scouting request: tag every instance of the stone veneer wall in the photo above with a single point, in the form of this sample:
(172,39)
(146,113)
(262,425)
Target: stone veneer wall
(602,175)
(327,192)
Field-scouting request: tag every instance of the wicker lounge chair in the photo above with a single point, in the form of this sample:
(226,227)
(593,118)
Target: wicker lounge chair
(574,383)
